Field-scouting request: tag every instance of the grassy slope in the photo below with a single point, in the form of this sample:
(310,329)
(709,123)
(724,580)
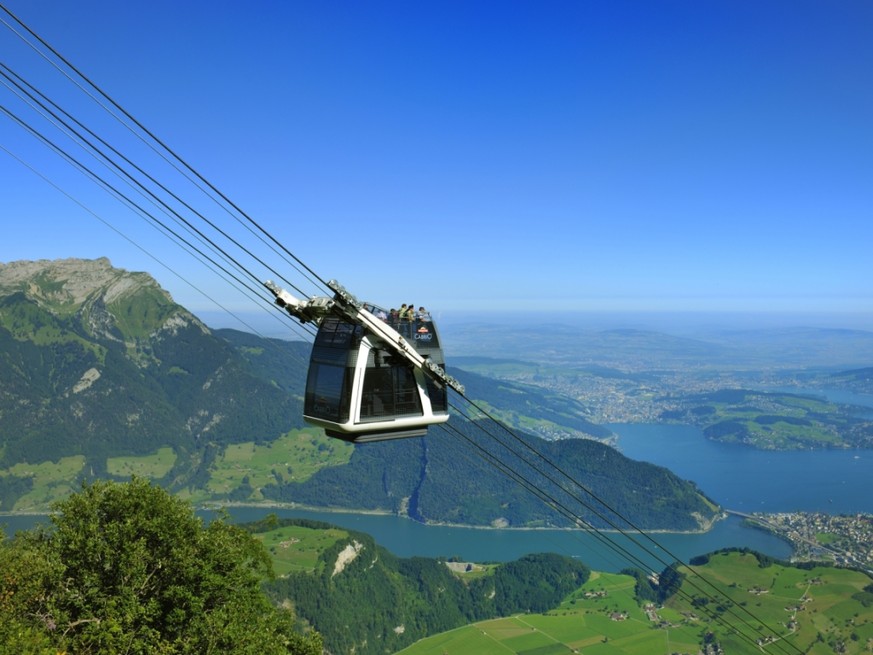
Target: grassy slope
(296,548)
(586,625)
(296,456)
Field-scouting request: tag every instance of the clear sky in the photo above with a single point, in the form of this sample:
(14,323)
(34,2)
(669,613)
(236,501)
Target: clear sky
(612,155)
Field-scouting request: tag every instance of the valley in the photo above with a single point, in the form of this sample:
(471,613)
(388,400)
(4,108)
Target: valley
(216,421)
(127,382)
(797,606)
(816,608)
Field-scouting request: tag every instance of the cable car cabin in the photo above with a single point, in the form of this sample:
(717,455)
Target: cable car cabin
(360,389)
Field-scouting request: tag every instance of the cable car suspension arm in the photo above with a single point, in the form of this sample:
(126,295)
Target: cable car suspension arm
(346,305)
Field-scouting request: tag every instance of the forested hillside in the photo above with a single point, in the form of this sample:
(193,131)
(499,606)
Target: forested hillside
(774,420)
(102,375)
(98,362)
(440,479)
(365,600)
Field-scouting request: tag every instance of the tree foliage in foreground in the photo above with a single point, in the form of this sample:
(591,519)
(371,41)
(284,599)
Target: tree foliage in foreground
(127,568)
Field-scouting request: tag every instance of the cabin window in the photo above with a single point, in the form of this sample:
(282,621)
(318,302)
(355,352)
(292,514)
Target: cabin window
(389,391)
(327,392)
(334,333)
(331,370)
(436,391)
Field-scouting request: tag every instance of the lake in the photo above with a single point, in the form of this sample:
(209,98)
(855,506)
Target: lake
(736,477)
(748,480)
(609,552)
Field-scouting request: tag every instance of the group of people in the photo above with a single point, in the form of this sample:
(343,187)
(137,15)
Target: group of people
(405,319)
(408,313)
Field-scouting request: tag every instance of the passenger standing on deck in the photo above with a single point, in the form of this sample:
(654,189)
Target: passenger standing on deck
(401,318)
(407,314)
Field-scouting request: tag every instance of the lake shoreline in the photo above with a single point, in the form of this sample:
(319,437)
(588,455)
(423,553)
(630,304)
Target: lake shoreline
(214,507)
(409,538)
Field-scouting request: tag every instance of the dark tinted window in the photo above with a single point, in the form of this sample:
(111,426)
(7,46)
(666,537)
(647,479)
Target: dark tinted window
(436,391)
(337,334)
(389,391)
(327,392)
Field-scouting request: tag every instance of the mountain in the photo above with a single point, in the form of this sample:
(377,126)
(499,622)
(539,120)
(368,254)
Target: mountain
(98,362)
(448,477)
(103,375)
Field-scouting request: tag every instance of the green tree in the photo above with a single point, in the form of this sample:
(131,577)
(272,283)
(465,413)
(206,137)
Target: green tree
(128,568)
(669,582)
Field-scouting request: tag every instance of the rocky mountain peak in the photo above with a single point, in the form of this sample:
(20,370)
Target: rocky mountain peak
(71,281)
(110,302)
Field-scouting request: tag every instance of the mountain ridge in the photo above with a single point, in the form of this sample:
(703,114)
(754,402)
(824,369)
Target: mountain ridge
(97,361)
(101,373)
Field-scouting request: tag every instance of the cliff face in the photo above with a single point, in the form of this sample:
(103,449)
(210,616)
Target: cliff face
(69,282)
(98,362)
(107,303)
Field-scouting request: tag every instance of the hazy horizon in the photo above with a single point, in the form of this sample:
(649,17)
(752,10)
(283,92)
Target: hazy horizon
(679,323)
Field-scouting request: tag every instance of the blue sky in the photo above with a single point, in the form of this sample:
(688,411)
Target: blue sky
(492,156)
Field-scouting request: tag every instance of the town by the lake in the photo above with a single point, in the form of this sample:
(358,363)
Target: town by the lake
(845,540)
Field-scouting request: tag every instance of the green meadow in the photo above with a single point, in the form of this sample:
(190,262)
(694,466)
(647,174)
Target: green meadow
(296,548)
(820,611)
(293,457)
(601,617)
(246,467)
(50,481)
(153,466)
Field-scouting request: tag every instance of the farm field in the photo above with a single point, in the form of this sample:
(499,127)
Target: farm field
(152,466)
(239,471)
(819,611)
(601,617)
(50,481)
(293,457)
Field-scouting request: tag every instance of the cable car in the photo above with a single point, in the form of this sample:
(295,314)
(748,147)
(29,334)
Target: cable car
(367,381)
